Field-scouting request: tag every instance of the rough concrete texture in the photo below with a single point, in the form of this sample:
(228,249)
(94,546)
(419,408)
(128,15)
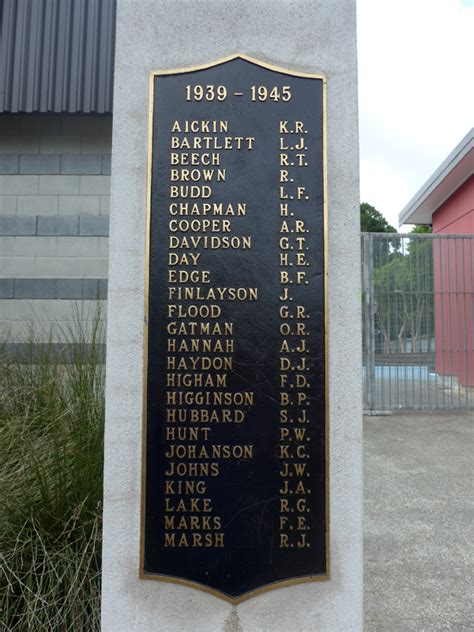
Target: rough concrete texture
(418,529)
(306,35)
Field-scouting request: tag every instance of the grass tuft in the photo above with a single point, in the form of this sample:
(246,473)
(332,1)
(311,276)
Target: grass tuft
(51,460)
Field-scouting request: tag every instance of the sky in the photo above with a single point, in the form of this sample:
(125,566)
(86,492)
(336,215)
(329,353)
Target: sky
(416,93)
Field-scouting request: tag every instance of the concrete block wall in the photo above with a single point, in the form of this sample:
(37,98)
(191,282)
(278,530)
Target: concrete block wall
(54,223)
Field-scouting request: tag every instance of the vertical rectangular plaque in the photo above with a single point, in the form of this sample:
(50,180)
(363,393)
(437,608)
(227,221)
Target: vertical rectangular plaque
(235,487)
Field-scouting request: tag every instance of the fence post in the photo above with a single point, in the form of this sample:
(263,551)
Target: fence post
(368,321)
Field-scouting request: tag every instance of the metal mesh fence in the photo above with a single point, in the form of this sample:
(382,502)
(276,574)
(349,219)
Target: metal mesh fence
(418,321)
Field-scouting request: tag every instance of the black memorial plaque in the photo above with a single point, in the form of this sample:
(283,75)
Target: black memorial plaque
(235,476)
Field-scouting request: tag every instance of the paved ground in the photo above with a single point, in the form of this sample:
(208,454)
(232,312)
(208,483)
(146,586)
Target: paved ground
(419,522)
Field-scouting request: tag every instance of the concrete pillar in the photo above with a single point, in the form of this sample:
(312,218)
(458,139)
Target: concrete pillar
(317,36)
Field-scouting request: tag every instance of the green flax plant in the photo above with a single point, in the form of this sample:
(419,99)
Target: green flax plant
(51,459)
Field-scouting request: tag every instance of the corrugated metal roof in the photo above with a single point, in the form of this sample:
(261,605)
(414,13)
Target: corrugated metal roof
(57,55)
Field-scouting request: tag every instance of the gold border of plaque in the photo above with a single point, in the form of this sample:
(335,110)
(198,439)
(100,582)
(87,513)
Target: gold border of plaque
(177,580)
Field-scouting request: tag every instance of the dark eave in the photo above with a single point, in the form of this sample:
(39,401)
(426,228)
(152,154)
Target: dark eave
(449,176)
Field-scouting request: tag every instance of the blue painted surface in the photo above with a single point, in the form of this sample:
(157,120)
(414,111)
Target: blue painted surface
(405,372)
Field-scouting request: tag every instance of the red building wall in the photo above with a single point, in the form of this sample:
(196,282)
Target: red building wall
(456,215)
(454,285)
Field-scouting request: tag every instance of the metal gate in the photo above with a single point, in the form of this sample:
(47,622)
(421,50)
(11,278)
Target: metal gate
(418,321)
